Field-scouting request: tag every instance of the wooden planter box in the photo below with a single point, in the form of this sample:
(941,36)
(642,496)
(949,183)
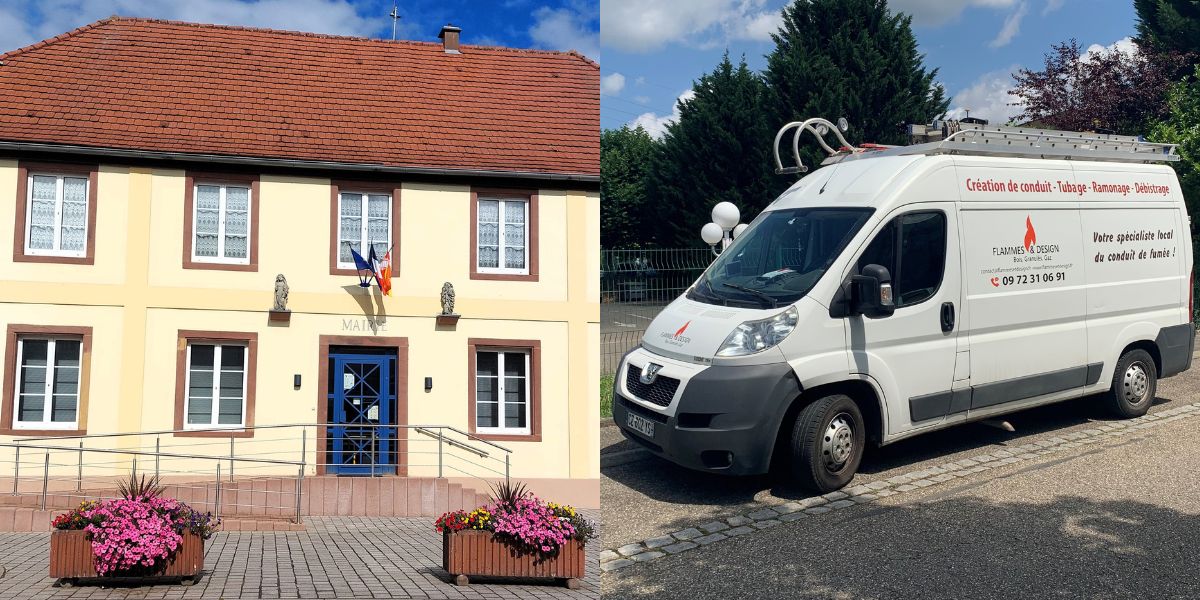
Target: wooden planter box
(467,553)
(71,558)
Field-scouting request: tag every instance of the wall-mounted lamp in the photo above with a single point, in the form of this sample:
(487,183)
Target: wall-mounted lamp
(428,383)
(296,381)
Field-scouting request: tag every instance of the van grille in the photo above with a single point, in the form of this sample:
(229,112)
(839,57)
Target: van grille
(660,393)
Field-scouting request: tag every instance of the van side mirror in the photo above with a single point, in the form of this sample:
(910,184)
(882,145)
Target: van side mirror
(871,292)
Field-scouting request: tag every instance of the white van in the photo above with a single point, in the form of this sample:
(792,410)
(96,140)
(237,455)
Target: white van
(907,289)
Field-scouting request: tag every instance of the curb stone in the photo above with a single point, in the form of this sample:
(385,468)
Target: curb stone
(774,515)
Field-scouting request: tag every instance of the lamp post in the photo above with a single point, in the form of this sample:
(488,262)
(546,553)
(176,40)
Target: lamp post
(724,227)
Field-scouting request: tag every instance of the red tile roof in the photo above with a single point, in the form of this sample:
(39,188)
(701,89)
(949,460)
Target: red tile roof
(164,86)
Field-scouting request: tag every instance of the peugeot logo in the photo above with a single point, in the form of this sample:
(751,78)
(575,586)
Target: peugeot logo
(650,373)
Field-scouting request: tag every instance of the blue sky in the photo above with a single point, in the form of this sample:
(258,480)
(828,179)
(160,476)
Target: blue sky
(654,49)
(545,24)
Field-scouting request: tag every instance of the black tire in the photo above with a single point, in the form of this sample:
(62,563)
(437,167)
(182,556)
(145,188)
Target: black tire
(824,459)
(1134,384)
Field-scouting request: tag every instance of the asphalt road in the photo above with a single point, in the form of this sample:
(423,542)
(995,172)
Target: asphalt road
(628,316)
(1112,520)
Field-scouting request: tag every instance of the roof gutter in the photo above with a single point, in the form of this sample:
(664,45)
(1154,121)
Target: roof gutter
(290,163)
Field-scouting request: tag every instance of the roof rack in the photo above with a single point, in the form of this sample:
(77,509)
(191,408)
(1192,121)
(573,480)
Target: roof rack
(993,140)
(955,137)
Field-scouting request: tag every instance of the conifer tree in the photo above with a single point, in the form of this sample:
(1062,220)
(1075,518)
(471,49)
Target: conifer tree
(850,58)
(718,150)
(1166,26)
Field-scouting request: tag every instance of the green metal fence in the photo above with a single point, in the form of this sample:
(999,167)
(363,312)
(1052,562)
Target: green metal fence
(634,286)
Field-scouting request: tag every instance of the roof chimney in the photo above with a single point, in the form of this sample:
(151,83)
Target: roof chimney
(449,37)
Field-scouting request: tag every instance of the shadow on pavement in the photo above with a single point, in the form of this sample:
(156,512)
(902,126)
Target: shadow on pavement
(1069,547)
(664,481)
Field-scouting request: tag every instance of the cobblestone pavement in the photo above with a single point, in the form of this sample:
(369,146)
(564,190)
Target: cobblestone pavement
(1109,512)
(647,498)
(336,557)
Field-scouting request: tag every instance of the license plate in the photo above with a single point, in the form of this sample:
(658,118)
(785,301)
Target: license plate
(640,424)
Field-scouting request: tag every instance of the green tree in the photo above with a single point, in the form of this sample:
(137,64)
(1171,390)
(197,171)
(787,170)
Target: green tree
(1165,26)
(625,156)
(853,59)
(718,150)
(1183,127)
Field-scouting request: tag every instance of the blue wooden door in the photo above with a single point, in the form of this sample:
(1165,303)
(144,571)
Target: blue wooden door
(362,398)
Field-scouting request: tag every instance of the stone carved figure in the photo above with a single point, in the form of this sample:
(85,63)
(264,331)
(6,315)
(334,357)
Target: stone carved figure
(447,298)
(281,293)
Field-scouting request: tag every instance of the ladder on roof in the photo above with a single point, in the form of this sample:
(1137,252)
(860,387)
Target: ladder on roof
(954,137)
(993,140)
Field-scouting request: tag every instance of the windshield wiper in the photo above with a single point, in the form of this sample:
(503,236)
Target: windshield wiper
(771,303)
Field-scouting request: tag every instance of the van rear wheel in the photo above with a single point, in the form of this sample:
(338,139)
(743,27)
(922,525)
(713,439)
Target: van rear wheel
(1134,384)
(827,443)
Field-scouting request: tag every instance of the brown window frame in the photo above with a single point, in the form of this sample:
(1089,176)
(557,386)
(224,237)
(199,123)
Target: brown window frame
(376,187)
(92,172)
(400,345)
(474,345)
(531,240)
(189,223)
(187,336)
(8,409)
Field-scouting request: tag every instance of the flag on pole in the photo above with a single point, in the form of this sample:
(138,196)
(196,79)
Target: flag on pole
(361,264)
(384,273)
(382,270)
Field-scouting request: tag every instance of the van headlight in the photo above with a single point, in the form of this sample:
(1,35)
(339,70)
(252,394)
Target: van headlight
(756,336)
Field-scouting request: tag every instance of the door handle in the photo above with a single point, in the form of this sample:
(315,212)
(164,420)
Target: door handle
(947,316)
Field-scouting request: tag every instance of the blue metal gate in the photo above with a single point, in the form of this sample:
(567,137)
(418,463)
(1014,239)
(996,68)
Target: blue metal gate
(362,398)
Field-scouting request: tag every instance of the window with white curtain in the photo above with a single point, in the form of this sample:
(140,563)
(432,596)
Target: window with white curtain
(501,233)
(364,221)
(502,392)
(216,385)
(48,373)
(221,224)
(56,215)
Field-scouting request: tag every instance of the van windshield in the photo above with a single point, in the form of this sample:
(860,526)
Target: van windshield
(779,258)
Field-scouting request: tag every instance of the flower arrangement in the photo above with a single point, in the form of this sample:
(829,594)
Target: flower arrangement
(75,518)
(138,532)
(521,521)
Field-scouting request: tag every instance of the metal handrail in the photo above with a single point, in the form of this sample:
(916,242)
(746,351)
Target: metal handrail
(231,430)
(148,453)
(454,443)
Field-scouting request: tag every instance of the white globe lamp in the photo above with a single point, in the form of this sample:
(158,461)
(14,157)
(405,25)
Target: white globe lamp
(711,234)
(726,215)
(739,229)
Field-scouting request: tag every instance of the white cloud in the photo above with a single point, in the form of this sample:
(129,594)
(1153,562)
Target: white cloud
(987,98)
(612,84)
(933,13)
(336,17)
(1052,5)
(638,26)
(565,29)
(1124,45)
(655,125)
(641,80)
(642,99)
(1011,27)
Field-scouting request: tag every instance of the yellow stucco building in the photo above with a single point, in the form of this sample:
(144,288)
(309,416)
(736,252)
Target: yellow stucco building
(148,220)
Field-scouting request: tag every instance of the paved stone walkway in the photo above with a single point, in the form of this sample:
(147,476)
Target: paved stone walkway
(336,557)
(771,515)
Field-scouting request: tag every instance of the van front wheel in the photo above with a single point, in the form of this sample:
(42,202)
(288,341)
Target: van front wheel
(827,443)
(1134,384)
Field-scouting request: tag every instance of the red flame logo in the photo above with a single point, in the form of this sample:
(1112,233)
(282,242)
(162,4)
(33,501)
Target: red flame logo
(1030,235)
(682,329)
